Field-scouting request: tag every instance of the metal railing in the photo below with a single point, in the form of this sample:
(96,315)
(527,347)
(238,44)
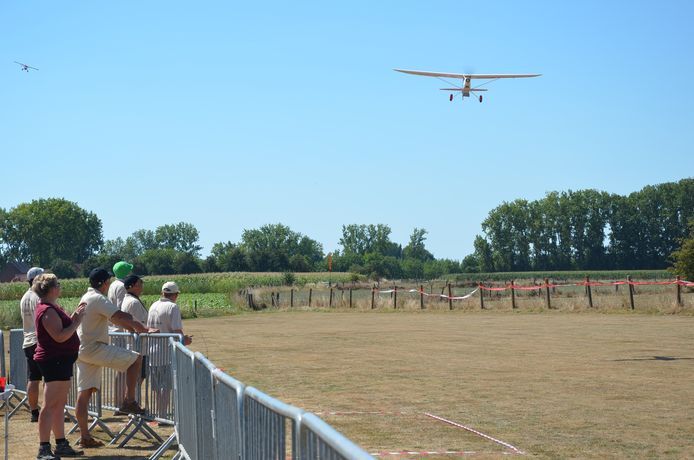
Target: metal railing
(18,373)
(224,419)
(2,355)
(321,441)
(214,415)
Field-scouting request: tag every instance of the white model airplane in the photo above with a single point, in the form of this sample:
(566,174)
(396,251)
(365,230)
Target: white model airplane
(465,90)
(25,67)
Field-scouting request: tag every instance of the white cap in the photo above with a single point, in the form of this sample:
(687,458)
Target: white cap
(34,272)
(170,288)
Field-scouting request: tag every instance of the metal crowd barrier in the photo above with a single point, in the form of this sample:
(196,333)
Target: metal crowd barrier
(113,381)
(93,408)
(2,353)
(158,386)
(214,415)
(265,424)
(321,441)
(18,372)
(228,415)
(184,397)
(217,417)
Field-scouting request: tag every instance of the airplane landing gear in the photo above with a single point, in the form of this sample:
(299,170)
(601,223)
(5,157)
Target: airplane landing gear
(451,98)
(480,98)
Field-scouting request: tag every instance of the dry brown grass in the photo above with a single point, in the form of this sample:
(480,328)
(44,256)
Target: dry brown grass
(24,440)
(556,385)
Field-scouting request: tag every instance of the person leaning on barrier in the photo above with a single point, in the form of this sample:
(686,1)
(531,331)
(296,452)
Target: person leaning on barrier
(165,316)
(57,345)
(96,352)
(133,305)
(134,285)
(28,306)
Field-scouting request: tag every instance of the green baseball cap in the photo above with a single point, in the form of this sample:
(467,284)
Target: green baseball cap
(122,269)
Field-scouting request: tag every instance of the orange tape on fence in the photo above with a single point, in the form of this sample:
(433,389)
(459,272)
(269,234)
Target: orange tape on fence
(589,283)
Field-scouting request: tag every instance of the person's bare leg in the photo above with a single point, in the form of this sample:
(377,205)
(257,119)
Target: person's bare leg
(50,401)
(132,376)
(33,394)
(81,411)
(58,418)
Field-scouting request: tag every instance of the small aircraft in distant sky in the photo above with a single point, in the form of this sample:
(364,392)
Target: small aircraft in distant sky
(25,67)
(465,90)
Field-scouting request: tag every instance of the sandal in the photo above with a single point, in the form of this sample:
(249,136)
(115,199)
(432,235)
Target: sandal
(89,443)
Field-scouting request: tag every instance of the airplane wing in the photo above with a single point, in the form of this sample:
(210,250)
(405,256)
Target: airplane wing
(462,76)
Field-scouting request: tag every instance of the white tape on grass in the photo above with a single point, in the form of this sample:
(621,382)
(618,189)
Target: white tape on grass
(478,433)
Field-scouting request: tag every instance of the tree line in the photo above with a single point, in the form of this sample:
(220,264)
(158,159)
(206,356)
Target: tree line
(587,230)
(58,234)
(581,230)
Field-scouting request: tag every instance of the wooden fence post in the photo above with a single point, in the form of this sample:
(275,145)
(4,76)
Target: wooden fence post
(350,297)
(589,292)
(330,302)
(631,292)
(373,295)
(421,296)
(513,296)
(480,285)
(547,297)
(291,297)
(395,297)
(450,300)
(278,299)
(310,294)
(679,291)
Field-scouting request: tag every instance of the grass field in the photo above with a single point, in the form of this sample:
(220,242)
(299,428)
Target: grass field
(554,385)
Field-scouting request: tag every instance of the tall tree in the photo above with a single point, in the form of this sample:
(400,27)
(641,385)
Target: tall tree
(182,237)
(683,257)
(415,249)
(49,229)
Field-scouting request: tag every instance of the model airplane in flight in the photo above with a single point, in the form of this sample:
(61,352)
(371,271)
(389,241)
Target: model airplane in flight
(466,79)
(25,67)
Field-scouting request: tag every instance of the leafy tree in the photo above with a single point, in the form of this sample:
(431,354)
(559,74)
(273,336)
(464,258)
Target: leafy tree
(412,268)
(470,264)
(63,269)
(229,257)
(185,263)
(683,257)
(159,261)
(415,249)
(272,247)
(365,239)
(49,229)
(182,237)
(483,254)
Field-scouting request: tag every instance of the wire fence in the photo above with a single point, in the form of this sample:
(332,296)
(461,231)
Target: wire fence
(531,294)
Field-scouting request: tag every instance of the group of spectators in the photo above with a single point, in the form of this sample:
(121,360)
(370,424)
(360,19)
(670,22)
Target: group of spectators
(55,340)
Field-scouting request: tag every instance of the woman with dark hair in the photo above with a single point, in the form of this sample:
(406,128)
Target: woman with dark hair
(56,352)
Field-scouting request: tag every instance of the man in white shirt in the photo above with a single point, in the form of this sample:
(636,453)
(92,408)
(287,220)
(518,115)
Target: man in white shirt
(134,285)
(96,352)
(165,316)
(116,291)
(28,306)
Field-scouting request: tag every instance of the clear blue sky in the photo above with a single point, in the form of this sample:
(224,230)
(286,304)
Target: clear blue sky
(231,115)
